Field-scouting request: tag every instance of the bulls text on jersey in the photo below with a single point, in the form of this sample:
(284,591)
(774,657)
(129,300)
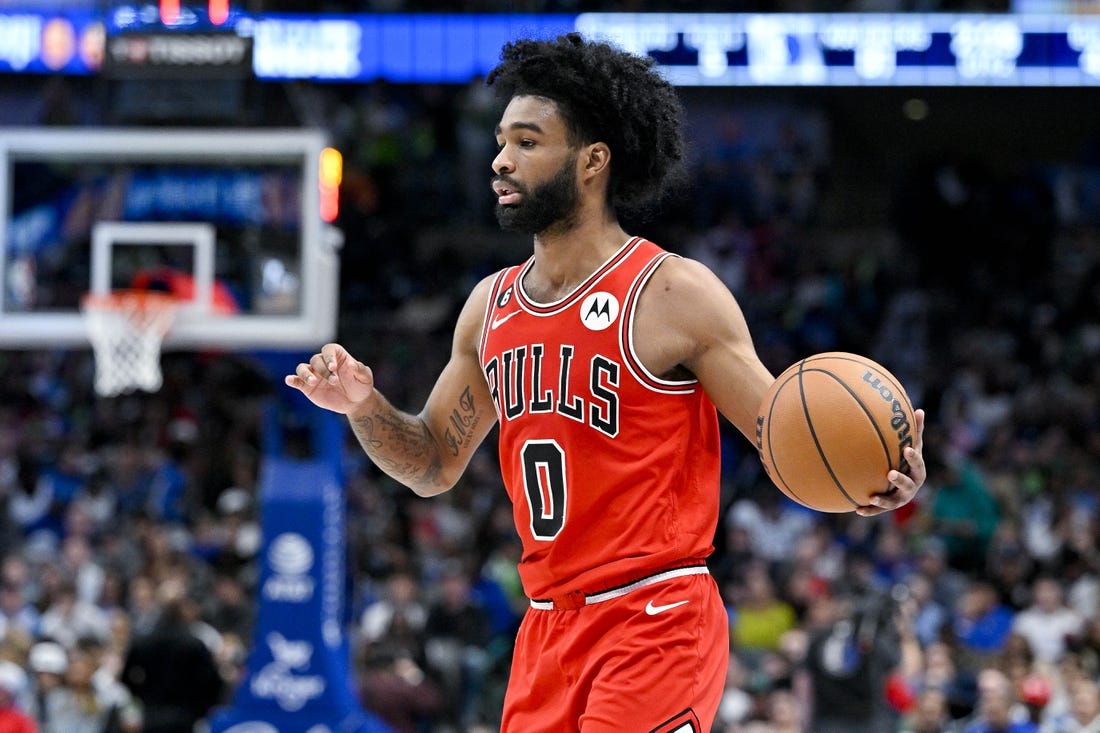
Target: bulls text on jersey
(521,384)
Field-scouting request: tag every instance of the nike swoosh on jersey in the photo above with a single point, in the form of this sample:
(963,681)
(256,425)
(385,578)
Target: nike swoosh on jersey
(499,321)
(652,610)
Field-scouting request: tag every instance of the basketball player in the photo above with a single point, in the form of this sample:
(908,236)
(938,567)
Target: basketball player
(603,358)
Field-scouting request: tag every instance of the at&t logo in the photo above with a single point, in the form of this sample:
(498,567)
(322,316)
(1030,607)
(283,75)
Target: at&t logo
(290,558)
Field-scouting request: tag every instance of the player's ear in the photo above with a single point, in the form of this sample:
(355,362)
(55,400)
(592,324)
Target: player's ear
(597,157)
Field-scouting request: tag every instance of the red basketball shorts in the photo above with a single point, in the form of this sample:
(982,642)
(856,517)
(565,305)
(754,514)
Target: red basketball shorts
(652,660)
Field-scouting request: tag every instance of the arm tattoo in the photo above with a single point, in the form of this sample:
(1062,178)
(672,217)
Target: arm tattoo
(399,444)
(403,447)
(463,420)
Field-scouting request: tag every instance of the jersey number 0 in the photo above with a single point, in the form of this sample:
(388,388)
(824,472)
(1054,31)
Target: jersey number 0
(545,486)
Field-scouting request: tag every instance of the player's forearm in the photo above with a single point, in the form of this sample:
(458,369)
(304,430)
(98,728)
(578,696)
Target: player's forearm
(400,444)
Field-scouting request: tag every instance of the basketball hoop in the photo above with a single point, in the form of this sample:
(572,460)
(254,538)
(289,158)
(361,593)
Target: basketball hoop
(126,328)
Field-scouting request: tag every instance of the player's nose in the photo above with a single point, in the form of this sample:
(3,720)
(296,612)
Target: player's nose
(502,163)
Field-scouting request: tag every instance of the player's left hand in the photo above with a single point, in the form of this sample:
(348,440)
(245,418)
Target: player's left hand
(903,485)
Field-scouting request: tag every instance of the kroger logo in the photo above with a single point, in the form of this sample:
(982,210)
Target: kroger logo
(284,679)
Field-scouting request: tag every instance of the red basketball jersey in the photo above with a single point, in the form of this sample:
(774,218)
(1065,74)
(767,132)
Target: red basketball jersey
(612,471)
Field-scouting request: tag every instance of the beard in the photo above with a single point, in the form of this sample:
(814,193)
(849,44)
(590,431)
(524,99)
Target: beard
(549,203)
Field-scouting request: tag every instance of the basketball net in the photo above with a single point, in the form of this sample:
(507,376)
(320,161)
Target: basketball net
(126,328)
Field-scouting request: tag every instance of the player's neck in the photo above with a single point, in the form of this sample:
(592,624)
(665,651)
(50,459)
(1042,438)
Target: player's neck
(565,259)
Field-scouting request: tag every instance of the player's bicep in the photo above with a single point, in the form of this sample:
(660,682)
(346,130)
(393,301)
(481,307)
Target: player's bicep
(722,355)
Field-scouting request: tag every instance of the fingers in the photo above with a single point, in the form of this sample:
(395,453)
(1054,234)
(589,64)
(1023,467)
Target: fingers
(902,490)
(322,367)
(332,378)
(903,486)
(340,365)
(333,357)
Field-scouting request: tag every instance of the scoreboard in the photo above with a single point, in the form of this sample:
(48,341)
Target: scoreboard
(706,49)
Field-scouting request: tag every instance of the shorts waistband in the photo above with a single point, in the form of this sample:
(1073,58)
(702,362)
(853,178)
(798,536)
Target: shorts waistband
(576,599)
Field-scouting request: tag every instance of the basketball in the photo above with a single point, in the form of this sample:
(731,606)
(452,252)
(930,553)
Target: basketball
(831,427)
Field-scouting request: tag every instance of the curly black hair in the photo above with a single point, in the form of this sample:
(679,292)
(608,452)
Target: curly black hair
(605,94)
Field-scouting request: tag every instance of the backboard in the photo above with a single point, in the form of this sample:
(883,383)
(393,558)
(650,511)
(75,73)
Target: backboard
(229,220)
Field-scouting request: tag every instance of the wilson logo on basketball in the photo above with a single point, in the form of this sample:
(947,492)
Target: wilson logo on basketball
(899,420)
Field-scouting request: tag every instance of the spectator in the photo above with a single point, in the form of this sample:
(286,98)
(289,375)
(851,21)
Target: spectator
(760,616)
(784,712)
(395,688)
(31,505)
(940,672)
(172,673)
(929,715)
(398,617)
(457,633)
(1083,715)
(774,523)
(48,662)
(1010,570)
(849,664)
(737,703)
(69,618)
(1017,660)
(1047,623)
(79,706)
(78,562)
(229,608)
(998,708)
(981,625)
(963,512)
(12,683)
(1034,692)
(18,615)
(929,617)
(1086,647)
(948,583)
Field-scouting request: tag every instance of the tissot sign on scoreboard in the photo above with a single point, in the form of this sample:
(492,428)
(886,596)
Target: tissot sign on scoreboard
(179,55)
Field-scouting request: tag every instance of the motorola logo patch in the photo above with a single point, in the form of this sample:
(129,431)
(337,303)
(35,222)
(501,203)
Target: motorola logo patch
(599,310)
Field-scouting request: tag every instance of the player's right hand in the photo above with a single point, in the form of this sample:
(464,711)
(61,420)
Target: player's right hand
(333,379)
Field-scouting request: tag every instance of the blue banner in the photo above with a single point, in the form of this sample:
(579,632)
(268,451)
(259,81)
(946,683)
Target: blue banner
(299,678)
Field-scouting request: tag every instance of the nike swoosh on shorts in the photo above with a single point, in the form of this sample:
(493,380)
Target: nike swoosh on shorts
(652,610)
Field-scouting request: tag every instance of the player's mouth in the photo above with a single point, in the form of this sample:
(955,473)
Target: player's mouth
(507,193)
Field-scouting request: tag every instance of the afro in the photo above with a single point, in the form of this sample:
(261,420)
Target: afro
(608,95)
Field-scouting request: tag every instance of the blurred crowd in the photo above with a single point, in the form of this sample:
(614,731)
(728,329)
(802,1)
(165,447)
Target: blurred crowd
(129,525)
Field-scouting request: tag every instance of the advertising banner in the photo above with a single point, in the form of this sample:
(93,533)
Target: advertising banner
(299,678)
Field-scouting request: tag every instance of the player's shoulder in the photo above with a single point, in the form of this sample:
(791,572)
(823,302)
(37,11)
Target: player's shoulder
(683,280)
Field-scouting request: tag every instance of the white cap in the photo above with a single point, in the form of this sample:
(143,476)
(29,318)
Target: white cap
(12,677)
(233,500)
(48,656)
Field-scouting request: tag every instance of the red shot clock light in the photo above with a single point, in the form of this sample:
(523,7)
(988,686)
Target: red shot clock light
(169,11)
(329,175)
(217,11)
